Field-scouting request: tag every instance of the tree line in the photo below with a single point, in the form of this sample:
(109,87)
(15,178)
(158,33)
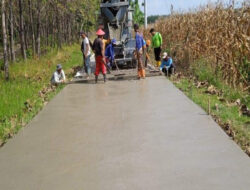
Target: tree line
(138,15)
(35,25)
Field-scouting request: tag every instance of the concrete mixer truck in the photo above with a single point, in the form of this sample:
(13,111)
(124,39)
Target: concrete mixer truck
(117,20)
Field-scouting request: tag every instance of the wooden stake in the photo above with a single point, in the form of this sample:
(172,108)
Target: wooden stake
(209,107)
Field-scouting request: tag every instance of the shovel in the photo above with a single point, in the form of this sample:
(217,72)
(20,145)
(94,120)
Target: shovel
(117,68)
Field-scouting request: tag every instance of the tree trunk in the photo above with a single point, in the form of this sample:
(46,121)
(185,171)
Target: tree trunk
(12,42)
(22,40)
(6,63)
(38,39)
(7,32)
(32,28)
(47,33)
(26,36)
(59,36)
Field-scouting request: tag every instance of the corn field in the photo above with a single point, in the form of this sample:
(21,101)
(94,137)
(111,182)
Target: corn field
(220,35)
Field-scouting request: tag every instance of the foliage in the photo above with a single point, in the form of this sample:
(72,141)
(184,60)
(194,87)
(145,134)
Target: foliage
(220,35)
(138,16)
(152,19)
(56,22)
(29,88)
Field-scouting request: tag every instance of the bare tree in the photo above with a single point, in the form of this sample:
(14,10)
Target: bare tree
(32,27)
(38,38)
(21,30)
(6,63)
(41,23)
(12,41)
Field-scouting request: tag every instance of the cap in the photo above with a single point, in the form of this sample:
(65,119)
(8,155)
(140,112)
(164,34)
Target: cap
(165,54)
(113,41)
(58,67)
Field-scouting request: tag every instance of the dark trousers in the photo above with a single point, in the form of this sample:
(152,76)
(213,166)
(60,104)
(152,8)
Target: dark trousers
(157,52)
(168,71)
(84,64)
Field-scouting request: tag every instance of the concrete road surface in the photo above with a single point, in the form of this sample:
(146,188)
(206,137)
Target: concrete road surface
(126,135)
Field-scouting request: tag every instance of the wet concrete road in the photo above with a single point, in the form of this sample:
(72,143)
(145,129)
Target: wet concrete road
(126,135)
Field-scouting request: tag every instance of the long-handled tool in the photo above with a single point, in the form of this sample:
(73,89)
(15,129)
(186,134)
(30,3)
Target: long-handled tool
(107,67)
(151,66)
(117,68)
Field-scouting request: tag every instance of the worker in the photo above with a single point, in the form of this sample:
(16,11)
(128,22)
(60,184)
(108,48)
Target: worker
(157,45)
(58,76)
(106,42)
(167,65)
(110,53)
(139,51)
(148,43)
(86,53)
(98,48)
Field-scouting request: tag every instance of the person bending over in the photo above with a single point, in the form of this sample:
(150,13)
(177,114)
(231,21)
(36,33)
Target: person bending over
(167,66)
(110,54)
(58,76)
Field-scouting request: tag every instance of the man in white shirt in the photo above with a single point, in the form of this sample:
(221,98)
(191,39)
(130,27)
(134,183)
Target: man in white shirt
(86,53)
(58,77)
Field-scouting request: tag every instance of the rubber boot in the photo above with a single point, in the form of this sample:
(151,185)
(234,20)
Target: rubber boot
(96,79)
(158,63)
(143,73)
(139,74)
(104,77)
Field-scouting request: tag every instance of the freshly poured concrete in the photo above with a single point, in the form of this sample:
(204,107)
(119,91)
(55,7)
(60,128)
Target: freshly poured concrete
(126,135)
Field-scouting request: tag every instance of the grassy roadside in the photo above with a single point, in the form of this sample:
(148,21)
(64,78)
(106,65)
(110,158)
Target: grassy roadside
(224,104)
(29,89)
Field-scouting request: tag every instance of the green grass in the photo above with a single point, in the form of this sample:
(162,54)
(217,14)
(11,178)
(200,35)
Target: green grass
(226,110)
(26,80)
(205,72)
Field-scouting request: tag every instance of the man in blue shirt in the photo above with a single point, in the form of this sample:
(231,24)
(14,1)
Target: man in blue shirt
(167,66)
(110,53)
(139,51)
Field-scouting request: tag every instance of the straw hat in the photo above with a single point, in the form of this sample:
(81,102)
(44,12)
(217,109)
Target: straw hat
(100,32)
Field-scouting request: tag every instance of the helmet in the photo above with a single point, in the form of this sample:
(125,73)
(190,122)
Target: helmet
(148,42)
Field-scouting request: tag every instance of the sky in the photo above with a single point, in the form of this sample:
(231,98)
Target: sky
(162,7)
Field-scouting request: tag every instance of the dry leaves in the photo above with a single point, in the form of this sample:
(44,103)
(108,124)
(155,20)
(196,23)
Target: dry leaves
(211,90)
(44,93)
(248,150)
(76,69)
(201,84)
(28,106)
(244,110)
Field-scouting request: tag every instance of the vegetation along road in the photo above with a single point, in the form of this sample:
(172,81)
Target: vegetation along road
(187,131)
